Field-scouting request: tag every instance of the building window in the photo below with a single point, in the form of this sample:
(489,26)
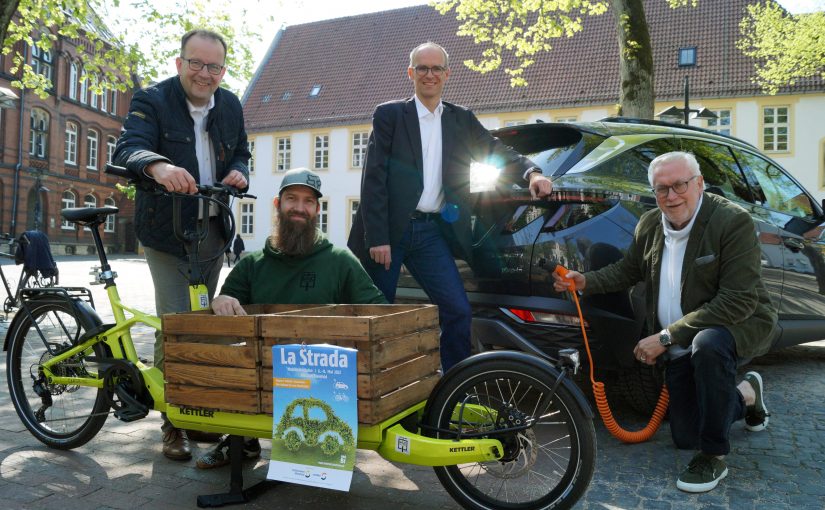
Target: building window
(353,208)
(89,201)
(93,93)
(39,136)
(511,123)
(109,226)
(316,89)
(71,144)
(284,154)
(111,142)
(359,148)
(775,128)
(104,101)
(42,62)
(722,123)
(247,218)
(67,202)
(565,120)
(323,215)
(321,152)
(113,111)
(251,164)
(91,154)
(687,57)
(84,89)
(73,81)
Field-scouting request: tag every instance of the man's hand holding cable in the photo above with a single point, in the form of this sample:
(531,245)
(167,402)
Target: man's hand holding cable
(648,349)
(562,285)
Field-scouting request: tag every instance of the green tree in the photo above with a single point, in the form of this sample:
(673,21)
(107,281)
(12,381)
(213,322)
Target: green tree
(113,57)
(786,47)
(523,28)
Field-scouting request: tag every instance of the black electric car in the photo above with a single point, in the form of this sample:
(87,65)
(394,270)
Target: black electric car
(601,189)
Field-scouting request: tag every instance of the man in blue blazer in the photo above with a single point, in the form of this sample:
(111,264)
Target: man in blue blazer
(415,194)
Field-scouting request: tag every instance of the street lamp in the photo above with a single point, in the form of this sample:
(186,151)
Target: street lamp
(687,112)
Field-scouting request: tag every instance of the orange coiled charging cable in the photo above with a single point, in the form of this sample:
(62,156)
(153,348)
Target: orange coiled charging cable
(627,436)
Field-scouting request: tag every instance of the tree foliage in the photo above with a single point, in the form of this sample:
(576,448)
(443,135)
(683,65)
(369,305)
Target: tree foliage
(114,52)
(524,28)
(786,47)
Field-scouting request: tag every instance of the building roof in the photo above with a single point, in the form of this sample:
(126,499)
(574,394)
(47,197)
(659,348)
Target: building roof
(360,62)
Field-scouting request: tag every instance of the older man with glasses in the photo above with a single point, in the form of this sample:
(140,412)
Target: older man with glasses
(415,194)
(180,132)
(707,311)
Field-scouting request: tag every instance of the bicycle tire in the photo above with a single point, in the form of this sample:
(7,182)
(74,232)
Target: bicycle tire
(549,465)
(76,413)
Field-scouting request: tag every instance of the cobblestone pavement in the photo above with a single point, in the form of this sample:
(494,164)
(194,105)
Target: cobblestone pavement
(781,467)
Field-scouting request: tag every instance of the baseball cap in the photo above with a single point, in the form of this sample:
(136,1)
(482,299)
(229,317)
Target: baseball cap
(301,177)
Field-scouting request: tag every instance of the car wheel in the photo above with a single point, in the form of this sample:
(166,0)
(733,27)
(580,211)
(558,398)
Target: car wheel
(639,387)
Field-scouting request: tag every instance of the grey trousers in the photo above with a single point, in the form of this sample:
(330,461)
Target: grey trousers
(170,276)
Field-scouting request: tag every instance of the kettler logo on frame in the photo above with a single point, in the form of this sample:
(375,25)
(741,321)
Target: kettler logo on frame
(307,280)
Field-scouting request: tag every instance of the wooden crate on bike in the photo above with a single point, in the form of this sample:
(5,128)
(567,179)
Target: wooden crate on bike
(213,361)
(398,357)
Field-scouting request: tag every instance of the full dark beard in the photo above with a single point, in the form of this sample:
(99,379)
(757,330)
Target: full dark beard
(295,238)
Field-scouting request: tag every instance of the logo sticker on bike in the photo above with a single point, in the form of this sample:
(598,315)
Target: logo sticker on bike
(402,445)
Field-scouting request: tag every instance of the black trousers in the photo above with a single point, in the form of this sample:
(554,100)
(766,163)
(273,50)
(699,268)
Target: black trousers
(704,401)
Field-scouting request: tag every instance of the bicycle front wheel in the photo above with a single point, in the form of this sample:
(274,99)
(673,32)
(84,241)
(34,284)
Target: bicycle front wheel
(60,416)
(547,465)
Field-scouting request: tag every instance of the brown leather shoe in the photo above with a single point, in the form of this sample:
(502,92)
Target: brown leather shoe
(203,437)
(176,444)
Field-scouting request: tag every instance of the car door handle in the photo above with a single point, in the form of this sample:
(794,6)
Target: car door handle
(793,244)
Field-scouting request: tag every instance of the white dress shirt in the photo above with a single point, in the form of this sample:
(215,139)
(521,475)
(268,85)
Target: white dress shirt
(203,145)
(429,123)
(669,306)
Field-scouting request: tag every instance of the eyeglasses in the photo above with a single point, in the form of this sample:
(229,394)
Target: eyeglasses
(423,70)
(197,65)
(679,187)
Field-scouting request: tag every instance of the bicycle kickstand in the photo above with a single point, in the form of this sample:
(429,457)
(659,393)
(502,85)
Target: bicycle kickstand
(236,494)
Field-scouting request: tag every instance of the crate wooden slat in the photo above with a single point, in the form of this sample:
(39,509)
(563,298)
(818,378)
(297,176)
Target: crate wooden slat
(221,399)
(214,361)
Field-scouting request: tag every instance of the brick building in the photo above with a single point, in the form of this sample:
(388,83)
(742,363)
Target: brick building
(53,152)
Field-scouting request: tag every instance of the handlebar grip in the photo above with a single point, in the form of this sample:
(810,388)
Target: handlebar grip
(118,171)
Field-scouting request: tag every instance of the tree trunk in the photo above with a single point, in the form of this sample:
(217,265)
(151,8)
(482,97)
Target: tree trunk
(636,96)
(7,10)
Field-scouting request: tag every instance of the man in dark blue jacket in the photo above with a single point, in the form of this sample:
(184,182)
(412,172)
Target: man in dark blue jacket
(181,132)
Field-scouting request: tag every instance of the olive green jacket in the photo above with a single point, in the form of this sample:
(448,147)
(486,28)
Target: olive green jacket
(721,277)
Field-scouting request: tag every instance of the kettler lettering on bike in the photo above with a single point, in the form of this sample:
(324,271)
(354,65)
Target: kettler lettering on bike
(315,415)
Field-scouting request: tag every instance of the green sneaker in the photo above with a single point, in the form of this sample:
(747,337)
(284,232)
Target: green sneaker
(702,474)
(757,415)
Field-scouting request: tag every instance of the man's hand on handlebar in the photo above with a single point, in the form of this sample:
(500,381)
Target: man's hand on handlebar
(227,305)
(235,179)
(173,178)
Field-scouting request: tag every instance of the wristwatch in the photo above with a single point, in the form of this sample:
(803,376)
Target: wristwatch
(664,338)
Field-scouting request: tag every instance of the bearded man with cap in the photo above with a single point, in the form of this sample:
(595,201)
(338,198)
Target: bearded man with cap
(298,265)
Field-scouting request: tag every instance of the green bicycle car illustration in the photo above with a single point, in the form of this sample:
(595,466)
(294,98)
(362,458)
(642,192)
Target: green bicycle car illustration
(299,426)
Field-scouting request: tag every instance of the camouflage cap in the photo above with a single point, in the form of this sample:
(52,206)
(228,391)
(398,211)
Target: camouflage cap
(302,177)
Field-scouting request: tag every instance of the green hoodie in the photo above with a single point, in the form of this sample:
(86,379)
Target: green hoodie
(329,275)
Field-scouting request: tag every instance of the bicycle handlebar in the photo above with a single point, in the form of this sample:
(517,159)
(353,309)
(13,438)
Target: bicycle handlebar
(152,186)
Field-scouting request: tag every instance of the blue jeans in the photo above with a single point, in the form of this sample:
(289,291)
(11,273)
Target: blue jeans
(426,255)
(704,401)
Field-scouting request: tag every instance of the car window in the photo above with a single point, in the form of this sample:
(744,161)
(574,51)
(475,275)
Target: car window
(719,169)
(627,172)
(773,188)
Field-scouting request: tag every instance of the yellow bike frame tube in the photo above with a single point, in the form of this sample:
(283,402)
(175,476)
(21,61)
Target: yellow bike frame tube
(400,445)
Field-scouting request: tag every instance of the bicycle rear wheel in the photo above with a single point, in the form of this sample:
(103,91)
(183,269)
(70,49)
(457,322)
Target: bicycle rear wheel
(60,416)
(547,465)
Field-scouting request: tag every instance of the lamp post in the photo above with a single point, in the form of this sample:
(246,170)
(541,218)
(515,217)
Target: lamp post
(38,202)
(687,112)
